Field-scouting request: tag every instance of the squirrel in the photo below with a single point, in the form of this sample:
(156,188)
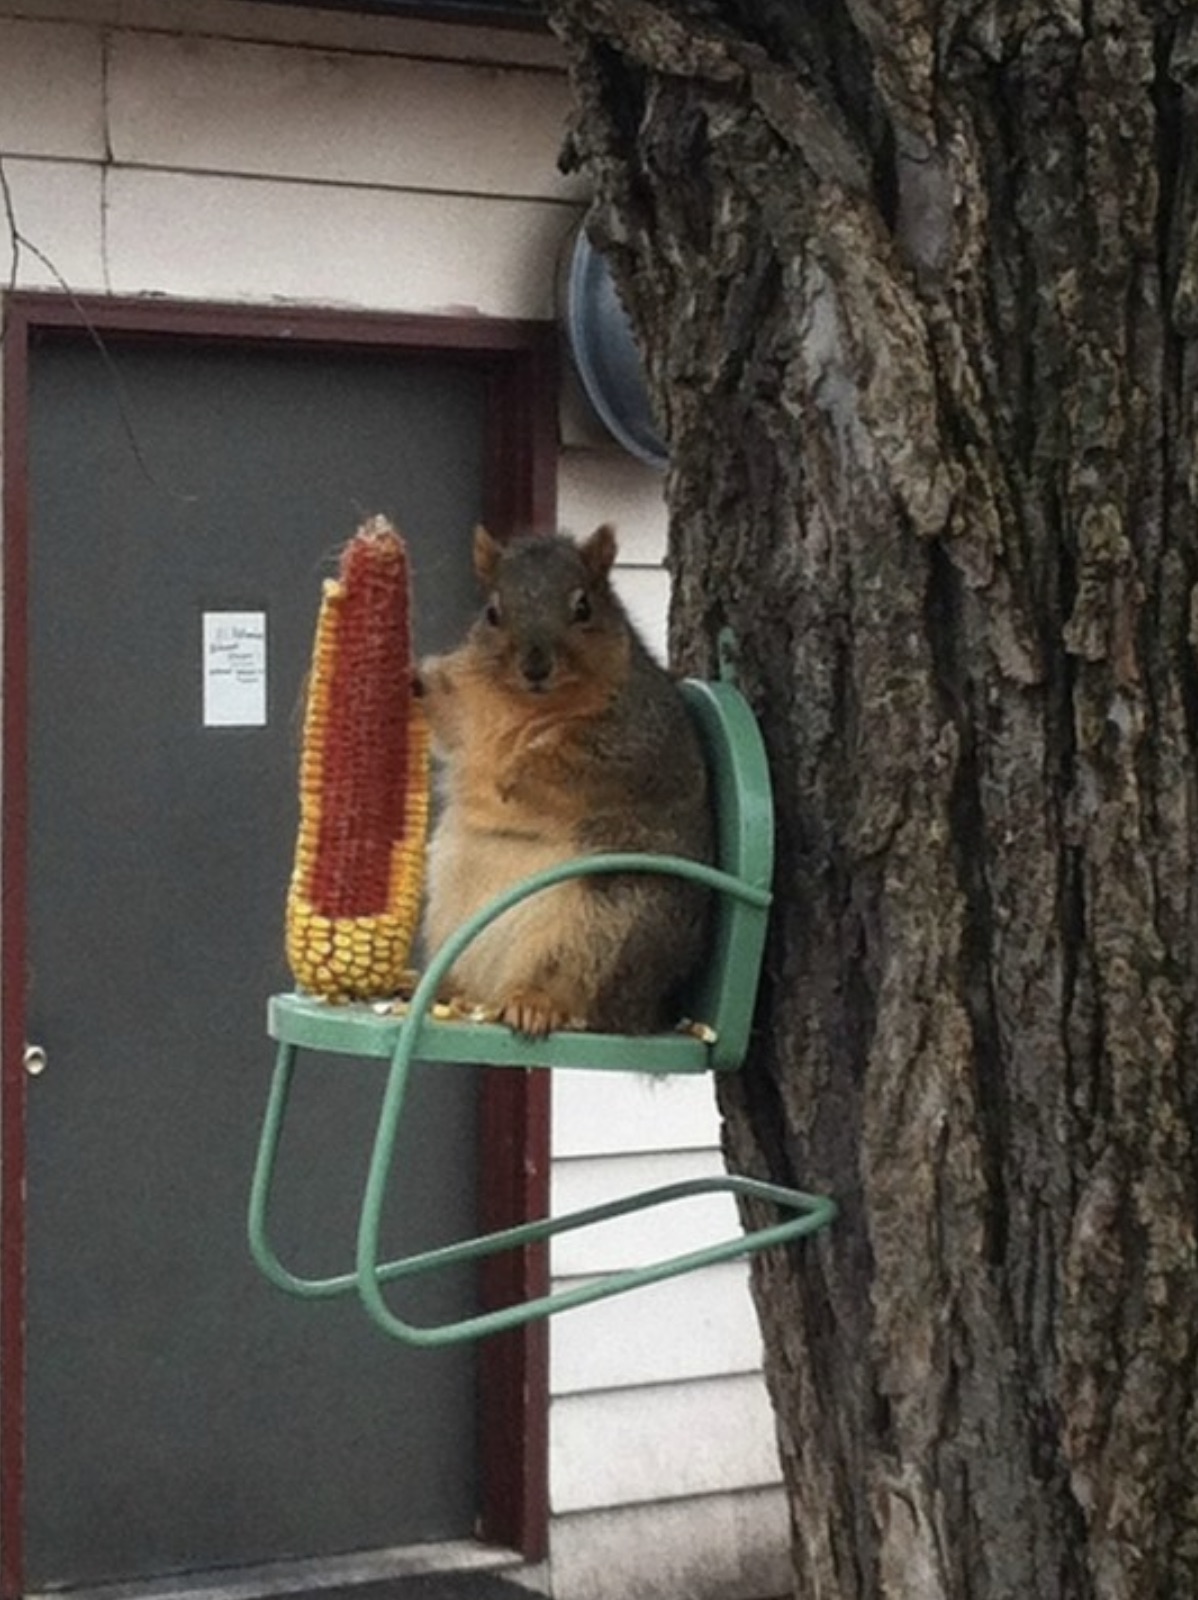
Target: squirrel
(556,734)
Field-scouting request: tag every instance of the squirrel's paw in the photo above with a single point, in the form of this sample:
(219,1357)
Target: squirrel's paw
(532,1013)
(432,676)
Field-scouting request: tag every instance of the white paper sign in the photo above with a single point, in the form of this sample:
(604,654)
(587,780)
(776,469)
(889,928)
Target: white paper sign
(234,648)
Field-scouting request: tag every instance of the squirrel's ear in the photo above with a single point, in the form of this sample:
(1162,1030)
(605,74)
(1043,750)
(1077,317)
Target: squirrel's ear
(487,551)
(599,551)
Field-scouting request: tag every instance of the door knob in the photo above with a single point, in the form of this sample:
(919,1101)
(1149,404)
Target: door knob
(35,1060)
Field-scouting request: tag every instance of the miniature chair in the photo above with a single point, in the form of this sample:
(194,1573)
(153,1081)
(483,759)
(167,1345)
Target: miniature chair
(723,1000)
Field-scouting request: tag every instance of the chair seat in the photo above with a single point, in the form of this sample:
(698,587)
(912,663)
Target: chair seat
(357,1029)
(723,999)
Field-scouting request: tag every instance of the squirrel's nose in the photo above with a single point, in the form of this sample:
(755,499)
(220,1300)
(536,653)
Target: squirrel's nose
(536,665)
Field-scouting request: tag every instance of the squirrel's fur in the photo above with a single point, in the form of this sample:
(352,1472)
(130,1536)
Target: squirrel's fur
(557,735)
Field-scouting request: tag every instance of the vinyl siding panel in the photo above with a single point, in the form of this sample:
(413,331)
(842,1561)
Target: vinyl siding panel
(664,1443)
(51,90)
(59,208)
(644,1236)
(606,485)
(335,117)
(700,1326)
(730,1546)
(623,1113)
(252,239)
(376,33)
(645,592)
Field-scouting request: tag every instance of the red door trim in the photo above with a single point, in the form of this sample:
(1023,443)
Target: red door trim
(13,901)
(519,359)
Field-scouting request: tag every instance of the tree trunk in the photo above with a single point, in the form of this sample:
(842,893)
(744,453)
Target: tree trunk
(917,289)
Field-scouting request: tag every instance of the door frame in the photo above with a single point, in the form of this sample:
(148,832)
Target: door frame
(519,361)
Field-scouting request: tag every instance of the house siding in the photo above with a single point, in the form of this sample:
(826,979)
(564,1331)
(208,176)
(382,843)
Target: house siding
(216,150)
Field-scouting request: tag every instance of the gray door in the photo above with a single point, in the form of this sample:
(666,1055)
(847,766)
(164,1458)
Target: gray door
(182,1414)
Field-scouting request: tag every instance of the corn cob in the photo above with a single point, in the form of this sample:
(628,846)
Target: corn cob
(355,888)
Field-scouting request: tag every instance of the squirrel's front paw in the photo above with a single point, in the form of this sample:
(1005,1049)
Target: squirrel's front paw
(434,675)
(532,1013)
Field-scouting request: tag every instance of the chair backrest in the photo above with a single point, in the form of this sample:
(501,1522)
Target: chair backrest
(726,991)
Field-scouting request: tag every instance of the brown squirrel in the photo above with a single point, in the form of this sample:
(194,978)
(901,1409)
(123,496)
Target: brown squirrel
(558,735)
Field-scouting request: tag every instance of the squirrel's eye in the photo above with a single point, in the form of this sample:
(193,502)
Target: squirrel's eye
(580,607)
(492,613)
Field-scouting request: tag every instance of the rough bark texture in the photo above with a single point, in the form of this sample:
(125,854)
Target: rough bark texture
(917,286)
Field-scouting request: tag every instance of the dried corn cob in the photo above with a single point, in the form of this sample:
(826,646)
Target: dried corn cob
(359,863)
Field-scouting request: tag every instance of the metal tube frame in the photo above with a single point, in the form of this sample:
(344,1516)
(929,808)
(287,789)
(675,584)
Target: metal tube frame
(811,1212)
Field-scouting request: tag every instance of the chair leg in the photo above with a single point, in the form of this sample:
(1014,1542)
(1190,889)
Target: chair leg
(808,1214)
(262,1184)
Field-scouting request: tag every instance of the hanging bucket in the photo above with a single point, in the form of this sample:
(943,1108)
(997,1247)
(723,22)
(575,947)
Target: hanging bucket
(605,355)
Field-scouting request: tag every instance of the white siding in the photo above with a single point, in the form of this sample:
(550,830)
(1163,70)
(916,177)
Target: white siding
(600,486)
(671,1332)
(646,1236)
(730,1546)
(59,208)
(374,35)
(619,1113)
(385,122)
(233,238)
(606,486)
(51,91)
(666,1442)
(216,150)
(646,596)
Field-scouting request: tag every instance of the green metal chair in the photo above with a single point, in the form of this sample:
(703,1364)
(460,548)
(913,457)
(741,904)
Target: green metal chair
(723,1000)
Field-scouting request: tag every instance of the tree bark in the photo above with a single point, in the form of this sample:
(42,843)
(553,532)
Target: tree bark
(916,285)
